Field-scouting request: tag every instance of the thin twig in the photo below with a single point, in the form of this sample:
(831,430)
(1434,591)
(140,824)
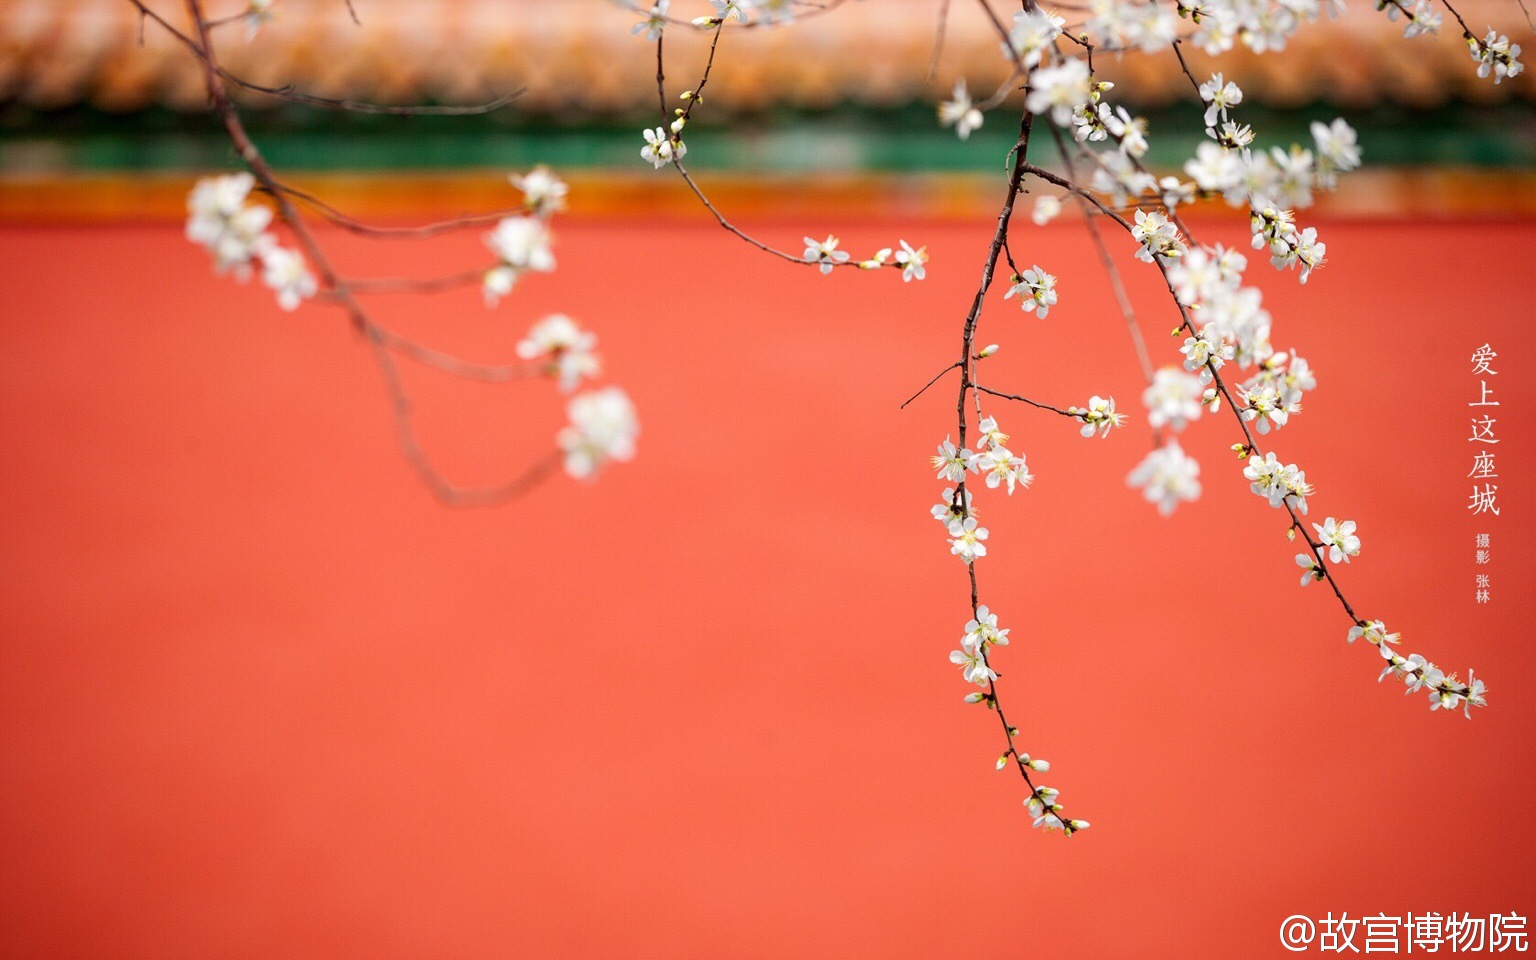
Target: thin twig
(426,230)
(1032,403)
(936,378)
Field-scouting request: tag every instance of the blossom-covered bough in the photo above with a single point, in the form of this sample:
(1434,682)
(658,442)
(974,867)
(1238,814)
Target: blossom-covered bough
(1221,320)
(1100,148)
(223,218)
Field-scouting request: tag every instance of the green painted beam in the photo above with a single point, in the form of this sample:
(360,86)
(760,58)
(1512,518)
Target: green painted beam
(841,140)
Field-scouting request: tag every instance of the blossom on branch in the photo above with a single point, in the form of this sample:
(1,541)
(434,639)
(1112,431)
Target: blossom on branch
(825,253)
(1496,55)
(521,244)
(1167,477)
(959,112)
(912,262)
(603,427)
(219,219)
(285,272)
(655,21)
(566,348)
(543,192)
(966,538)
(1036,289)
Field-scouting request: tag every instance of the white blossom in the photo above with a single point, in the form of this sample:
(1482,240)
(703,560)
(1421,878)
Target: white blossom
(1219,96)
(1032,32)
(603,427)
(1167,477)
(1375,633)
(1206,352)
(877,261)
(1312,570)
(520,244)
(1278,483)
(1291,183)
(981,631)
(1174,192)
(1172,399)
(1339,538)
(991,434)
(1337,150)
(1088,119)
(951,463)
(737,10)
(1234,135)
(655,21)
(1117,175)
(973,666)
(257,14)
(1059,90)
(1476,695)
(825,253)
(543,192)
(1099,416)
(777,11)
(1036,289)
(912,262)
(219,219)
(1495,54)
(662,148)
(1047,208)
(1196,277)
(999,465)
(948,509)
(966,539)
(285,272)
(567,348)
(1158,237)
(1214,168)
(1266,405)
(959,112)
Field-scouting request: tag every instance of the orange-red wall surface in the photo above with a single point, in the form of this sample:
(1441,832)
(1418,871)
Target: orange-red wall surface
(260,696)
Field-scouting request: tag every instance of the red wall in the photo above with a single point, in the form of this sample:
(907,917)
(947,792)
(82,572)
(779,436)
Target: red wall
(261,697)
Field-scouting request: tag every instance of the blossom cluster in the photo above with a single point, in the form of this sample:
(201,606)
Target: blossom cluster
(222,220)
(1036,290)
(980,636)
(1282,484)
(603,424)
(603,427)
(664,145)
(522,242)
(1446,692)
(1423,18)
(1496,55)
(656,17)
(825,255)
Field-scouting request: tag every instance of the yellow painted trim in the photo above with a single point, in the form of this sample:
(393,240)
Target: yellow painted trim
(404,197)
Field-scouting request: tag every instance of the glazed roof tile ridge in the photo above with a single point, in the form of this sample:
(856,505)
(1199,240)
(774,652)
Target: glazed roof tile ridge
(579,58)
